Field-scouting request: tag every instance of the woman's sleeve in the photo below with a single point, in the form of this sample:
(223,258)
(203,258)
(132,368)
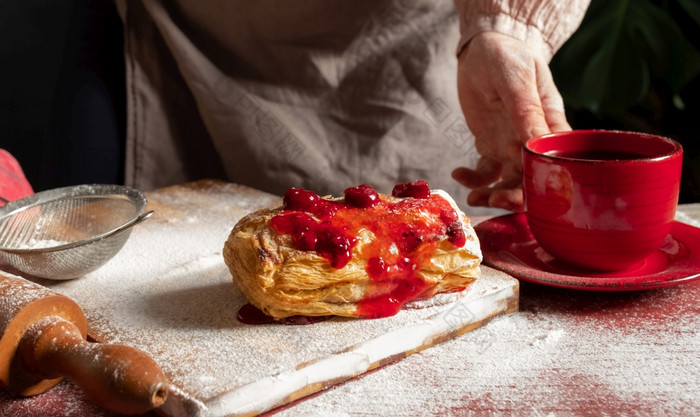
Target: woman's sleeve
(545,24)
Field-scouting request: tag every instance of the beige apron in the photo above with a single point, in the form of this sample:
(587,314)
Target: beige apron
(321,94)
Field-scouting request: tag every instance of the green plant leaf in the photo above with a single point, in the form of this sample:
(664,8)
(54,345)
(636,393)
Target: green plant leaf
(672,58)
(621,49)
(692,7)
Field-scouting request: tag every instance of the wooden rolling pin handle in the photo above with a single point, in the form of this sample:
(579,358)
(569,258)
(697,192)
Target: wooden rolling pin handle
(116,377)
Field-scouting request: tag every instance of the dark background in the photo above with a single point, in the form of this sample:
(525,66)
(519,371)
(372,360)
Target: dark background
(62,83)
(62,90)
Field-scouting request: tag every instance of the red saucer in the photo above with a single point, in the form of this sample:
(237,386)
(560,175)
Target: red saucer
(508,245)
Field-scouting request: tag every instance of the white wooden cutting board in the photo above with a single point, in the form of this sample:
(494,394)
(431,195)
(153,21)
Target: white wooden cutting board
(169,293)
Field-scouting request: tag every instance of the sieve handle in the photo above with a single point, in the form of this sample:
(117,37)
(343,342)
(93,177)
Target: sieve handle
(143,217)
(138,220)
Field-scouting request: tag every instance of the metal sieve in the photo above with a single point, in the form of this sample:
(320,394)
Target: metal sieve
(67,232)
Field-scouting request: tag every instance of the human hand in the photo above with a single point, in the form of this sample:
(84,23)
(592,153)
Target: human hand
(508,96)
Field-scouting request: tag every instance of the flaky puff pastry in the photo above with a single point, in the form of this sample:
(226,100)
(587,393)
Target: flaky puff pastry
(283,281)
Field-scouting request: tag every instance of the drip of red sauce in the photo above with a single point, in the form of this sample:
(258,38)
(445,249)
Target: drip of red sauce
(249,314)
(407,233)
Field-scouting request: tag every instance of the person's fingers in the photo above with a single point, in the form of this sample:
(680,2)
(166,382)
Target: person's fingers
(479,197)
(557,121)
(486,172)
(507,193)
(507,198)
(504,198)
(552,102)
(514,150)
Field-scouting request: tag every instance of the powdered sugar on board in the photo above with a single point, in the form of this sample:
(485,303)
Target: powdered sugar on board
(565,353)
(169,293)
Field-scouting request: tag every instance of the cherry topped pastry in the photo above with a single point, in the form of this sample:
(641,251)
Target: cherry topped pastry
(366,254)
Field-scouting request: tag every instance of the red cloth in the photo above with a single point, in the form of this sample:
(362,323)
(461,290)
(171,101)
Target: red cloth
(13,183)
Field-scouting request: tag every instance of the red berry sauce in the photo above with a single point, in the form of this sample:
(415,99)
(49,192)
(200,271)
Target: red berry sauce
(415,189)
(362,196)
(406,234)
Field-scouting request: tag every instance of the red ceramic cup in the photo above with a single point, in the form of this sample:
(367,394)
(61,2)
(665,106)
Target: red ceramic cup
(601,200)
